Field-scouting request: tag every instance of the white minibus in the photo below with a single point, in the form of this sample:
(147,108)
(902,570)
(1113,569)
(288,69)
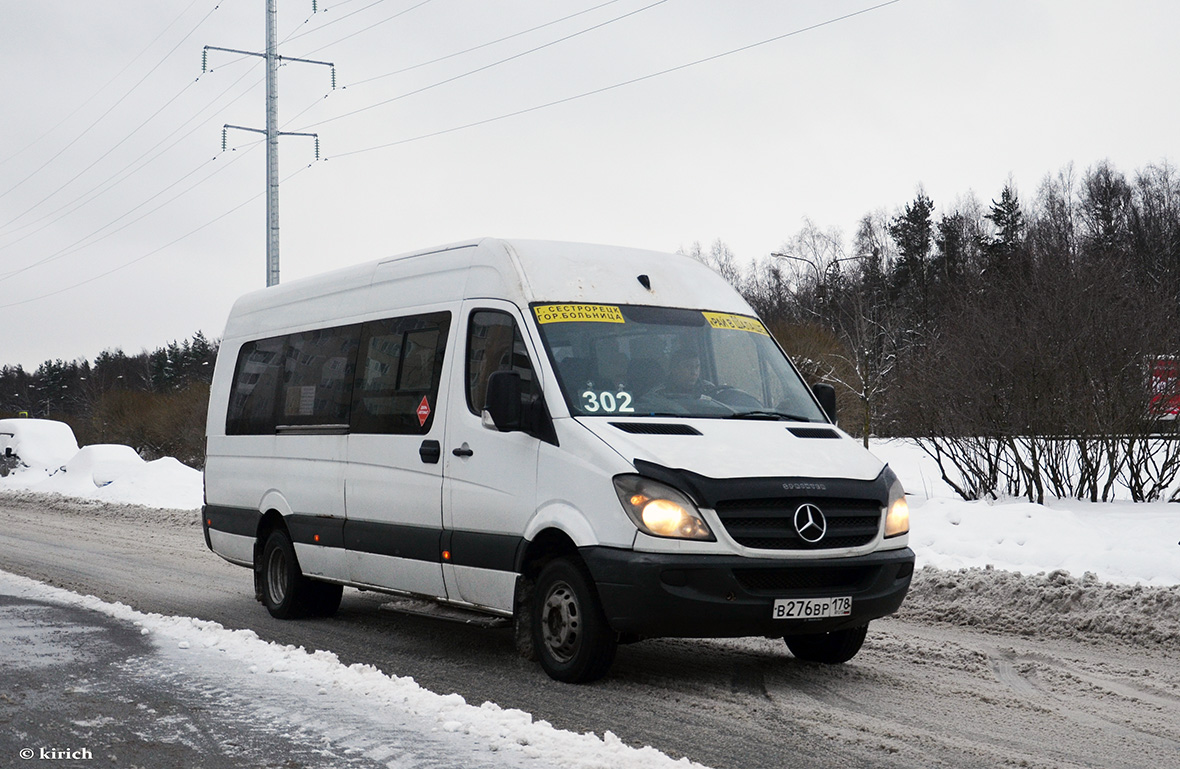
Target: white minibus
(598,444)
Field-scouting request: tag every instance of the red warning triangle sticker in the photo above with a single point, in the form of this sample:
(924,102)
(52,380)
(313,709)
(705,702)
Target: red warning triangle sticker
(423,411)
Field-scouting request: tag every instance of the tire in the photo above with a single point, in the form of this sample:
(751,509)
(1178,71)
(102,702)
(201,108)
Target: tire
(571,637)
(324,598)
(832,648)
(286,593)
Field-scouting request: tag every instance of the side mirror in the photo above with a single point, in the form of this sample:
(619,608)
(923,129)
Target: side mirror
(503,402)
(826,395)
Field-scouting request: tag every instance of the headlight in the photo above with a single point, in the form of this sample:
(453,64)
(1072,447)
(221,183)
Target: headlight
(660,510)
(897,513)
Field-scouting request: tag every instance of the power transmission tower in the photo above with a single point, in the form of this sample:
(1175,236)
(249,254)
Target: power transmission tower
(272,131)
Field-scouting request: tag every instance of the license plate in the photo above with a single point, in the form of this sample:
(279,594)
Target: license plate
(812,608)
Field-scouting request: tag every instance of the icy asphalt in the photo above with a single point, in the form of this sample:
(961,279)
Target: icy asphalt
(84,688)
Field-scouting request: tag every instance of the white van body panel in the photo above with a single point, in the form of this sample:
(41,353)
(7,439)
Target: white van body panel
(742,449)
(235,548)
(575,493)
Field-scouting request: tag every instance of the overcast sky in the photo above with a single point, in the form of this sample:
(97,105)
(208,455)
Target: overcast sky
(124,224)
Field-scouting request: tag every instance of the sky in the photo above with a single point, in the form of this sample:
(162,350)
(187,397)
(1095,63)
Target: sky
(123,223)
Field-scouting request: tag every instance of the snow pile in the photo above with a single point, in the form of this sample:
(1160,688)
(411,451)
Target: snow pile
(370,713)
(52,463)
(1046,605)
(103,463)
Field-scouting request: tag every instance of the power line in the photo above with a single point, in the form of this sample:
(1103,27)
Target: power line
(604,89)
(481,45)
(334,21)
(311,106)
(81,243)
(486,66)
(359,31)
(130,169)
(151,253)
(112,107)
(107,84)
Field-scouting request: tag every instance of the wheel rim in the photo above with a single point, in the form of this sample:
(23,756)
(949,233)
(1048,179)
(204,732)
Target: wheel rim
(276,576)
(561,622)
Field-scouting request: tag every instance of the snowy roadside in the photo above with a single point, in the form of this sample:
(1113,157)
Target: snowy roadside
(1022,597)
(356,709)
(1118,542)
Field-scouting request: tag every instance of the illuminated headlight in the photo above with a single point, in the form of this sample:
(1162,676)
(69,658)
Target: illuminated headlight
(897,513)
(660,510)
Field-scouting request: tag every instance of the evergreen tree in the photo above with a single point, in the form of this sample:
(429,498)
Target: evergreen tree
(1004,247)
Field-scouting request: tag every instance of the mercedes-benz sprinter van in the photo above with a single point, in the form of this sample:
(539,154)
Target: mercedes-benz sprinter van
(601,444)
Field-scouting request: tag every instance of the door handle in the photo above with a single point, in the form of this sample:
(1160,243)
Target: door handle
(463,451)
(430,451)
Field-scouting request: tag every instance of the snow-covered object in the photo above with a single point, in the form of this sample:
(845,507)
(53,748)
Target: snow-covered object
(38,442)
(164,483)
(103,463)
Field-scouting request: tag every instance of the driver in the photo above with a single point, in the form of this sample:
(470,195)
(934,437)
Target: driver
(684,376)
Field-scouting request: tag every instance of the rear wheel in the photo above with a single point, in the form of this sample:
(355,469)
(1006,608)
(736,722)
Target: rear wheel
(324,598)
(286,593)
(830,648)
(570,634)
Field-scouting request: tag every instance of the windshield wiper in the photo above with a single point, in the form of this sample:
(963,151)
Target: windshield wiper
(772,415)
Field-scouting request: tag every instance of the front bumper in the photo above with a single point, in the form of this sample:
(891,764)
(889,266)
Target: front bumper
(654,595)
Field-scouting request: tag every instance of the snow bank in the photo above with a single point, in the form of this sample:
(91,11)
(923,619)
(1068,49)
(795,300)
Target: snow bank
(53,464)
(1054,605)
(1118,542)
(391,714)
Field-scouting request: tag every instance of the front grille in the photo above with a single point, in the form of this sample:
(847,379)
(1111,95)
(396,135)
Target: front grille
(804,578)
(769,523)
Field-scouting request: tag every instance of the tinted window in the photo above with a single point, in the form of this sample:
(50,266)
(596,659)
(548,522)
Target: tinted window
(317,376)
(256,381)
(398,379)
(494,344)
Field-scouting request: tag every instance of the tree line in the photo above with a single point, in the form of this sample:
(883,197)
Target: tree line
(1014,339)
(153,401)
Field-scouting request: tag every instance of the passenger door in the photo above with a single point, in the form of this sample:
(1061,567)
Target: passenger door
(490,483)
(394,476)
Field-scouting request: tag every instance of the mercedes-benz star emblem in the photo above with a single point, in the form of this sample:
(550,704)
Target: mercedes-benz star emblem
(810,523)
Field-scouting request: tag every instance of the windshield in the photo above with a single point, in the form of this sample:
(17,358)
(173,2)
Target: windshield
(632,360)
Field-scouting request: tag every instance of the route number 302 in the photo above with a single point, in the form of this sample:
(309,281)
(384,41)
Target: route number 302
(607,401)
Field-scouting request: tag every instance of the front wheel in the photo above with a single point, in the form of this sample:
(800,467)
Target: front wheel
(571,637)
(831,648)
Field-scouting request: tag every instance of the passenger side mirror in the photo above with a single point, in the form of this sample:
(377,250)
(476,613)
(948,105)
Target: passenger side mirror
(503,402)
(826,395)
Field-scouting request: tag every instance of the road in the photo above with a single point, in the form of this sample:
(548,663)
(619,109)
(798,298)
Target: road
(946,687)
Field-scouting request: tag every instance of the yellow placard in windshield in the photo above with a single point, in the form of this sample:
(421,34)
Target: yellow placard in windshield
(735,322)
(579,313)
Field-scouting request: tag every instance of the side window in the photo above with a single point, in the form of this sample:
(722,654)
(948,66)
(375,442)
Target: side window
(256,382)
(317,376)
(494,344)
(400,369)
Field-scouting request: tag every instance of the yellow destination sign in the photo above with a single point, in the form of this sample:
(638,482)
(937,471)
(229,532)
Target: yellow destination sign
(735,322)
(580,313)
